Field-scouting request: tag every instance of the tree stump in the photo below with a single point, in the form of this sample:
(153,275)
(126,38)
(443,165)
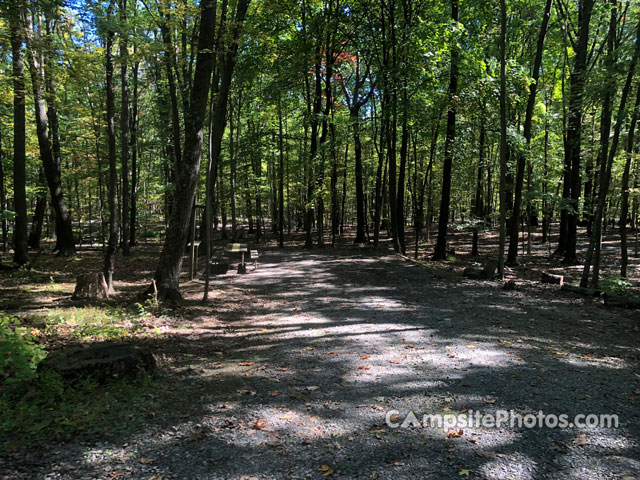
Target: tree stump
(550,278)
(487,272)
(100,361)
(91,286)
(490,269)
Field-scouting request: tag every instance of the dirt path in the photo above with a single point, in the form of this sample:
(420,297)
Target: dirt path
(291,370)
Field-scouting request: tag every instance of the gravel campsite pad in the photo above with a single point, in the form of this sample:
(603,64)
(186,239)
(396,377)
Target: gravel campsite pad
(291,370)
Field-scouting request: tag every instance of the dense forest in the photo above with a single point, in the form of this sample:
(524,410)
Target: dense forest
(119,119)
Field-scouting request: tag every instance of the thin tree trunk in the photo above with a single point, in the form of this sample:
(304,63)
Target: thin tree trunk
(3,202)
(440,252)
(281,178)
(478,205)
(624,208)
(134,156)
(503,136)
(124,128)
(110,254)
(593,252)
(528,121)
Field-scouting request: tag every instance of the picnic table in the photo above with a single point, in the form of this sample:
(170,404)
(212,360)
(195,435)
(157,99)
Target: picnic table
(242,248)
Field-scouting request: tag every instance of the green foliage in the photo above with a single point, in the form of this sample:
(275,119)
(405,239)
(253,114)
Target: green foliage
(50,409)
(96,323)
(616,285)
(20,351)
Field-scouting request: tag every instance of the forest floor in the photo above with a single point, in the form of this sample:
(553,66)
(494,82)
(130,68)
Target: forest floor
(290,370)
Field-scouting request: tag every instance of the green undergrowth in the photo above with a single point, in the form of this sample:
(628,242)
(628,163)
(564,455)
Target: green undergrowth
(49,409)
(38,407)
(95,323)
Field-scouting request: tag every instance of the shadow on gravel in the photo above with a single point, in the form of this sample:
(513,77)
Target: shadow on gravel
(308,353)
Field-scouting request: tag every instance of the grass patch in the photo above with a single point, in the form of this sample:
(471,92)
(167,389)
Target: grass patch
(93,323)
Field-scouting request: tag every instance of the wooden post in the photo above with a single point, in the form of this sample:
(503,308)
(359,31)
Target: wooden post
(192,273)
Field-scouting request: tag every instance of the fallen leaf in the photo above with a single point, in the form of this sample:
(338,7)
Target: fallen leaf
(395,362)
(333,353)
(455,433)
(312,388)
(260,423)
(364,367)
(464,472)
(326,469)
(246,364)
(364,357)
(194,436)
(308,348)
(274,394)
(145,460)
(580,440)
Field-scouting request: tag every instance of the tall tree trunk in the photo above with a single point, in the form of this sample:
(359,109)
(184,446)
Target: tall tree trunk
(522,155)
(134,156)
(357,148)
(478,204)
(503,135)
(574,130)
(65,242)
(112,245)
(3,202)
(440,252)
(124,128)
(593,252)
(226,74)
(19,146)
(233,168)
(169,265)
(624,207)
(280,178)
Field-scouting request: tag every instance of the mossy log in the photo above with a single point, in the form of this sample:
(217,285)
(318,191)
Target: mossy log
(100,361)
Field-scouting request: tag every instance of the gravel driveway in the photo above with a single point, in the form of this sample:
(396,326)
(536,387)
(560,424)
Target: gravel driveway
(291,370)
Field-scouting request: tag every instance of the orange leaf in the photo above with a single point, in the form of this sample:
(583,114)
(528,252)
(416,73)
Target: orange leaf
(245,364)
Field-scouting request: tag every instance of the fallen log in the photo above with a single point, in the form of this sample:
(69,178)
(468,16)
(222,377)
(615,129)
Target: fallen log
(587,292)
(487,272)
(100,361)
(622,301)
(551,278)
